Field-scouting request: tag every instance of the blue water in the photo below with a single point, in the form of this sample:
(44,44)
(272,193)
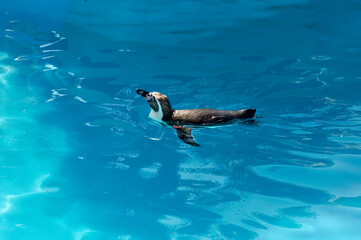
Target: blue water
(79,158)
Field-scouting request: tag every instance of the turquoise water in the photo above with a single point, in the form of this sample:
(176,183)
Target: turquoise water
(81,160)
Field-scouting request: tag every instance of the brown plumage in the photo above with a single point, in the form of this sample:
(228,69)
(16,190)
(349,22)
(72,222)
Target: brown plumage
(210,116)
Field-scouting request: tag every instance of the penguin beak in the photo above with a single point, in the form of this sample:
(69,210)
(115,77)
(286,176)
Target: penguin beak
(148,96)
(142,92)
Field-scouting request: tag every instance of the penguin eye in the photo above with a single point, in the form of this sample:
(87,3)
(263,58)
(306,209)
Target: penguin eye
(150,98)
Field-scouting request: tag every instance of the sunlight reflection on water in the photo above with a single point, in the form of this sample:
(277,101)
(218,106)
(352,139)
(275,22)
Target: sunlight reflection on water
(81,160)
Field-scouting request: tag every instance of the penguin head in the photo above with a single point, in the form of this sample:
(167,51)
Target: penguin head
(159,103)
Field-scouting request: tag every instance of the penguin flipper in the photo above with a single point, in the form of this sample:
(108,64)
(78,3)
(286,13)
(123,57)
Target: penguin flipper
(185,134)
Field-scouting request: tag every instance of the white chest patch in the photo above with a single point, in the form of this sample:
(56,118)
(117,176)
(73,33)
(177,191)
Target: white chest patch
(157,115)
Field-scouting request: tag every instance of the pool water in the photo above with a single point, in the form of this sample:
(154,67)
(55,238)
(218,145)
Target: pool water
(80,159)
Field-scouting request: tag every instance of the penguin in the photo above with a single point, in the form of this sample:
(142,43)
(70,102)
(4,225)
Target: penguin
(184,120)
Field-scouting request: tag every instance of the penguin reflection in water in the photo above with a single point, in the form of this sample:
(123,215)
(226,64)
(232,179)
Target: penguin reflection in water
(184,120)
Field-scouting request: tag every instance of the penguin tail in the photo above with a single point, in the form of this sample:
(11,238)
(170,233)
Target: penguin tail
(246,113)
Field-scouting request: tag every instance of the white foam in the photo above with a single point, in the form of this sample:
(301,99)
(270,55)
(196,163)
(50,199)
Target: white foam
(80,99)
(49,67)
(82,233)
(52,43)
(56,93)
(150,172)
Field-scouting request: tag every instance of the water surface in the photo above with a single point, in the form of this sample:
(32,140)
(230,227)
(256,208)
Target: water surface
(81,160)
